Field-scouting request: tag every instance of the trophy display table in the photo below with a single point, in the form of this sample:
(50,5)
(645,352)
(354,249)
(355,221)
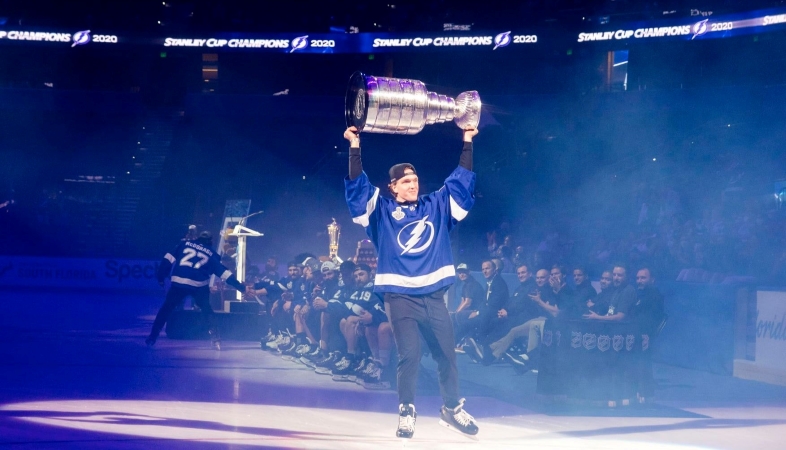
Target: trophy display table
(238,326)
(593,360)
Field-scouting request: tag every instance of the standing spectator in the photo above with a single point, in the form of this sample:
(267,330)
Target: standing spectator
(649,308)
(648,312)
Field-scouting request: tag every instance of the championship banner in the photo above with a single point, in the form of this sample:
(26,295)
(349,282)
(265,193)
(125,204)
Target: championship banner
(695,28)
(23,271)
(500,40)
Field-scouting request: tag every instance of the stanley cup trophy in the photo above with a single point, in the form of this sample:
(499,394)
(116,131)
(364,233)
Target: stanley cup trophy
(399,106)
(334,232)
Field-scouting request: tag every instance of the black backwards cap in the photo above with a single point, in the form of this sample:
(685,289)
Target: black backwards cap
(397,172)
(363,266)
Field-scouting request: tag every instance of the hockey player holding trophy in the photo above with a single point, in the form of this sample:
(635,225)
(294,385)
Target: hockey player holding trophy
(411,232)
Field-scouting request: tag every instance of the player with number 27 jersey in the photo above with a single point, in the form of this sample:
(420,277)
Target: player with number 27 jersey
(194,264)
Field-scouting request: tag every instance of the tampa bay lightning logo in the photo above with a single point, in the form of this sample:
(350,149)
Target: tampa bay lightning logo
(501,40)
(416,236)
(299,43)
(699,28)
(81,38)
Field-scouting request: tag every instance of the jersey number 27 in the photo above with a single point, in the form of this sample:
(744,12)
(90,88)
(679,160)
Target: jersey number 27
(190,254)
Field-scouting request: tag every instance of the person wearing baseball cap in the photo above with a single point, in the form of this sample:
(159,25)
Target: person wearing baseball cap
(415,268)
(328,266)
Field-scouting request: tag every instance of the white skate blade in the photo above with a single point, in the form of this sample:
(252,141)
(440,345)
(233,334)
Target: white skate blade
(456,430)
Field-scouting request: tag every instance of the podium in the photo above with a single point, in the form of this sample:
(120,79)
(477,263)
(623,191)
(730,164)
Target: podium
(242,232)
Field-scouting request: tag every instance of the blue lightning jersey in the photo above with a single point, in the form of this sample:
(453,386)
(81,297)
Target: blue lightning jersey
(193,264)
(412,239)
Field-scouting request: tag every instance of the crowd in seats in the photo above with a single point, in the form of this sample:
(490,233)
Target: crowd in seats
(495,326)
(327,317)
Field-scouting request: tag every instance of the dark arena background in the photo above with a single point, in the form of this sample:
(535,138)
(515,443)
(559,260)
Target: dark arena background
(644,138)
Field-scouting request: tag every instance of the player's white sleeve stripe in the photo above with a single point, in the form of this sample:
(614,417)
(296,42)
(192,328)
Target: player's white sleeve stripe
(169,258)
(457,211)
(225,275)
(189,282)
(370,206)
(392,279)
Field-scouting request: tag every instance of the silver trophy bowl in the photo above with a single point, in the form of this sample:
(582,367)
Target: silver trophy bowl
(400,106)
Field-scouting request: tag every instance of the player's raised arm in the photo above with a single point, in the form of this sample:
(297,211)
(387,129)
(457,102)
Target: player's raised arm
(355,165)
(465,160)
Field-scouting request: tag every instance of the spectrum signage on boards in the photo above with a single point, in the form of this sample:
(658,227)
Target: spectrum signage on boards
(90,273)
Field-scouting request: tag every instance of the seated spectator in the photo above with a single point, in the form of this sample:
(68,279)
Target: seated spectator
(584,292)
(600,305)
(506,257)
(519,257)
(622,299)
(517,312)
(453,294)
(543,304)
(332,343)
(472,293)
(271,269)
(282,297)
(477,323)
(303,320)
(324,291)
(564,294)
(363,306)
